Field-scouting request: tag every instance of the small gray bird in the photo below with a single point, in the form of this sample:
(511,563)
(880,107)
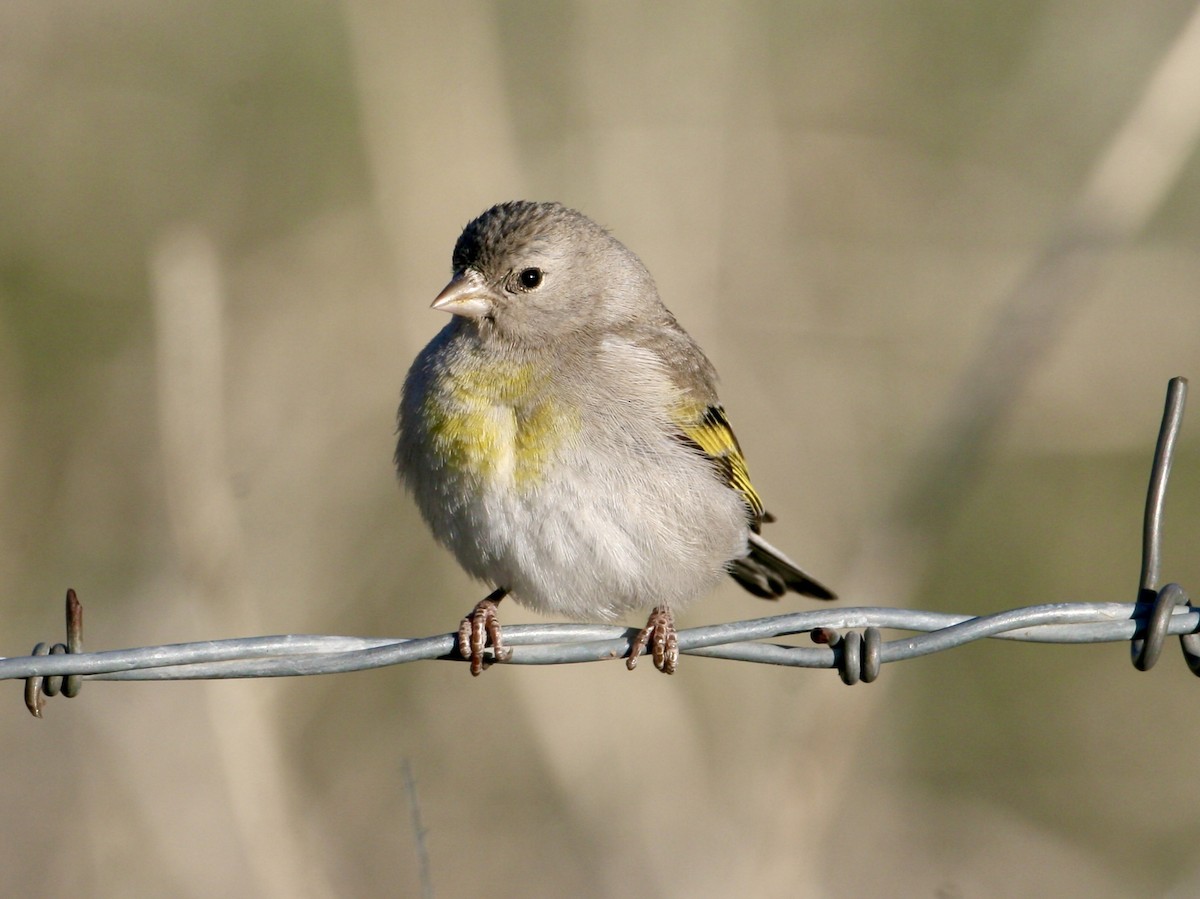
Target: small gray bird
(563,437)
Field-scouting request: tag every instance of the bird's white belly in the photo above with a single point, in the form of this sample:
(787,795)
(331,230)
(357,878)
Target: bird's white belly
(594,544)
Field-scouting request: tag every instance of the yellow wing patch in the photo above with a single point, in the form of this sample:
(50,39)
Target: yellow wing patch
(709,431)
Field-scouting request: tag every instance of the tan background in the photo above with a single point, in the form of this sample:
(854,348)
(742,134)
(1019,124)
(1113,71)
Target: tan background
(221,225)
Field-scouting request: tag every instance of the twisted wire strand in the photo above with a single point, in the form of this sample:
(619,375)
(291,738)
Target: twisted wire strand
(553,644)
(1146,624)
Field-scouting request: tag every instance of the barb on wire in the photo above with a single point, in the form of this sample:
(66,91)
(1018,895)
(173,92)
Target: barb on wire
(1146,650)
(38,687)
(1157,614)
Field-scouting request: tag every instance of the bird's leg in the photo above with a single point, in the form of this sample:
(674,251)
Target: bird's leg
(478,628)
(659,634)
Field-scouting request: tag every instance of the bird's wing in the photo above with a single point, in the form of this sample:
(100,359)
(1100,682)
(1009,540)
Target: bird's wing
(697,414)
(707,430)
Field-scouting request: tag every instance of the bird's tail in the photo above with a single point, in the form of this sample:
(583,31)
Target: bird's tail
(768,573)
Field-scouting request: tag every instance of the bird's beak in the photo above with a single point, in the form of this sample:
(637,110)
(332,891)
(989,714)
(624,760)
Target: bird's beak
(466,295)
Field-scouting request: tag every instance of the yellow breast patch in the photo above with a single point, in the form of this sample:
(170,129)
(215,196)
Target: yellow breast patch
(495,425)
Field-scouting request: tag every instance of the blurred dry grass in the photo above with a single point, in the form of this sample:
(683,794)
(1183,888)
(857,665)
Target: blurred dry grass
(835,198)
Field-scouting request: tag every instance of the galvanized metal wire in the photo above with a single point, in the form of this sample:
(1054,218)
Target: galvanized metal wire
(846,639)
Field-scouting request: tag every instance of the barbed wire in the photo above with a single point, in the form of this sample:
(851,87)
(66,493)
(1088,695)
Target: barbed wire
(1146,623)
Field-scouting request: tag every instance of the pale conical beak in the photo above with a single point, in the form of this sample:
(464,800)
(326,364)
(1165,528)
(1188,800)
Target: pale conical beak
(466,295)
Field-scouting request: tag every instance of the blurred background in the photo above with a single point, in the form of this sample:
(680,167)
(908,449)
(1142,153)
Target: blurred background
(945,257)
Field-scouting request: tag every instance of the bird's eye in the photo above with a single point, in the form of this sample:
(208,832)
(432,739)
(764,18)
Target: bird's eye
(530,278)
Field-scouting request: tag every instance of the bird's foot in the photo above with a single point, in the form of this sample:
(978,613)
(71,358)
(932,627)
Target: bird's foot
(659,634)
(479,628)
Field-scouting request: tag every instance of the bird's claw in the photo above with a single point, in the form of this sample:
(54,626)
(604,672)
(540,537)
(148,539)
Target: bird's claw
(659,634)
(480,627)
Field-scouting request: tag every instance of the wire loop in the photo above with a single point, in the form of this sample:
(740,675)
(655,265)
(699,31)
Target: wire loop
(857,657)
(1147,649)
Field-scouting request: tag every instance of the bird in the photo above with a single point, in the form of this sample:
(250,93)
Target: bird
(563,437)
